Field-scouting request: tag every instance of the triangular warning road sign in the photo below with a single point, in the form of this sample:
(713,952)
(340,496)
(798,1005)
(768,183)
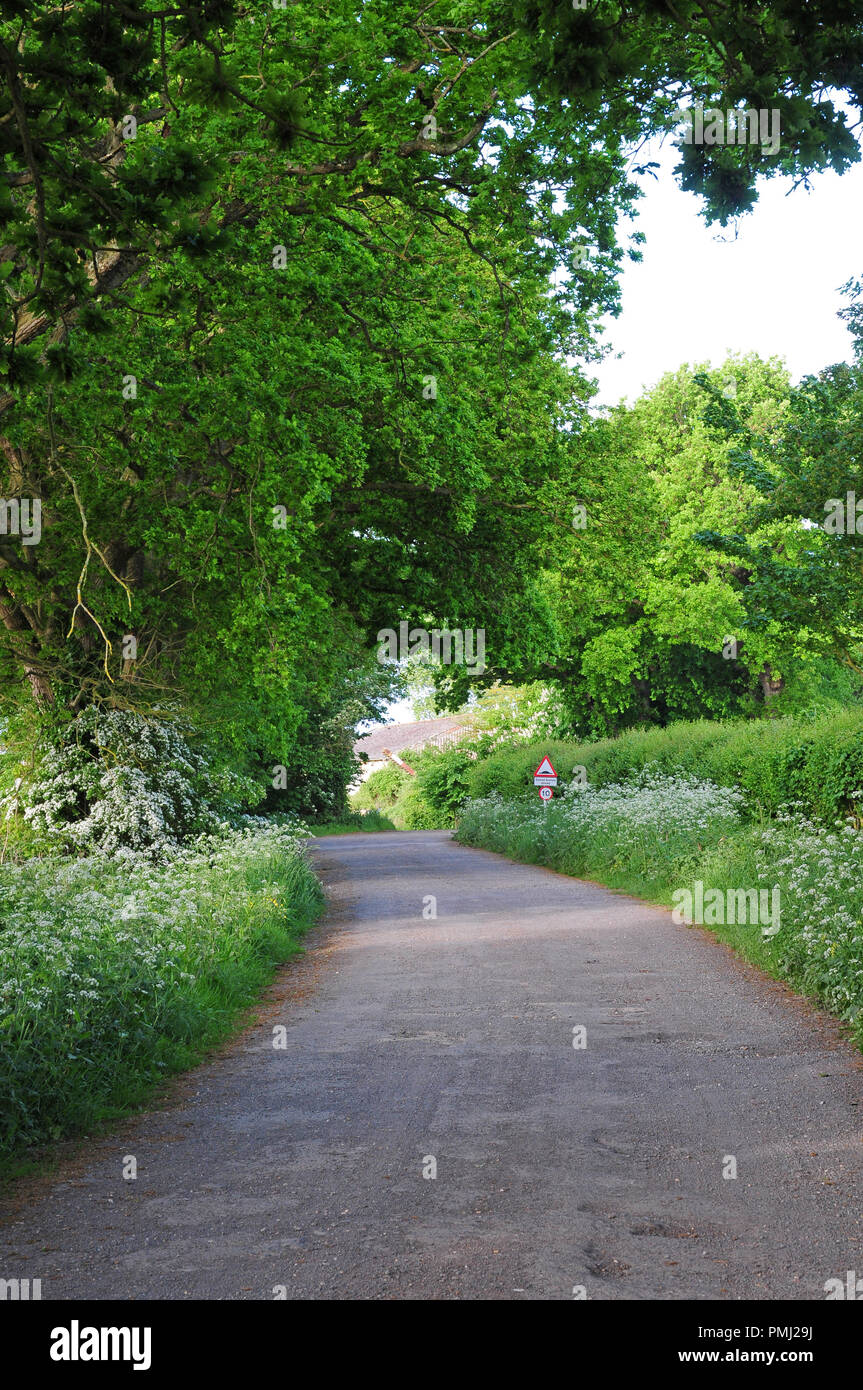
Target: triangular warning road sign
(545,769)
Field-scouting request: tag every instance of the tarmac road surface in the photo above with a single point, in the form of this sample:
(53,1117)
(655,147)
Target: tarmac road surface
(417,1043)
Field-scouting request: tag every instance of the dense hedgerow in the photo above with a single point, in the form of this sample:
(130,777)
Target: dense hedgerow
(817,762)
(117,970)
(427,800)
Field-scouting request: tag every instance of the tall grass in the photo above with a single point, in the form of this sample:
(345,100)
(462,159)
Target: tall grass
(116,972)
(641,835)
(352,821)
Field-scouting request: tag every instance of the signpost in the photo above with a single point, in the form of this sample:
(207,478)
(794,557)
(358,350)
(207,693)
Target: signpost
(545,778)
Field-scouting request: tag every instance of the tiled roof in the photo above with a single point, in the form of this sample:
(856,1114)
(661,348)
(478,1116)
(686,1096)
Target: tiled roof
(398,737)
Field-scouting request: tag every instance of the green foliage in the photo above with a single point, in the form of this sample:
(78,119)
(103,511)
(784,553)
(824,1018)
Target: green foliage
(112,782)
(815,762)
(652,625)
(510,771)
(299,384)
(426,801)
(349,822)
(443,779)
(277,488)
(413,812)
(235,458)
(381,788)
(113,974)
(645,832)
(803,471)
(816,871)
(644,59)
(317,97)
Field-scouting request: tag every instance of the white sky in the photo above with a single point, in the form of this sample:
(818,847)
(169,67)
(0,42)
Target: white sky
(774,290)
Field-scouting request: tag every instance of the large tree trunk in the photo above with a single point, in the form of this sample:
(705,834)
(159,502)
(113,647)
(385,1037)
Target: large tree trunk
(769,686)
(26,651)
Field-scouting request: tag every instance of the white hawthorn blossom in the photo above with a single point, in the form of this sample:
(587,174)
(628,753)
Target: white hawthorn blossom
(117,781)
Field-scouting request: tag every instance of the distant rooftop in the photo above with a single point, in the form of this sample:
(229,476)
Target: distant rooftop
(440,733)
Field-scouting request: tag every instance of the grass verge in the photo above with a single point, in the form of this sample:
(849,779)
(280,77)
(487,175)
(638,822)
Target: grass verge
(115,973)
(352,821)
(659,837)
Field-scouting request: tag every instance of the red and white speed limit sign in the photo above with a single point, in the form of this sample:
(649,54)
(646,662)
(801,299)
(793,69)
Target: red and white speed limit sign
(546,793)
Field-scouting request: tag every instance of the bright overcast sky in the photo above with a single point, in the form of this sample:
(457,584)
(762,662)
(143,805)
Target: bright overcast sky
(698,293)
